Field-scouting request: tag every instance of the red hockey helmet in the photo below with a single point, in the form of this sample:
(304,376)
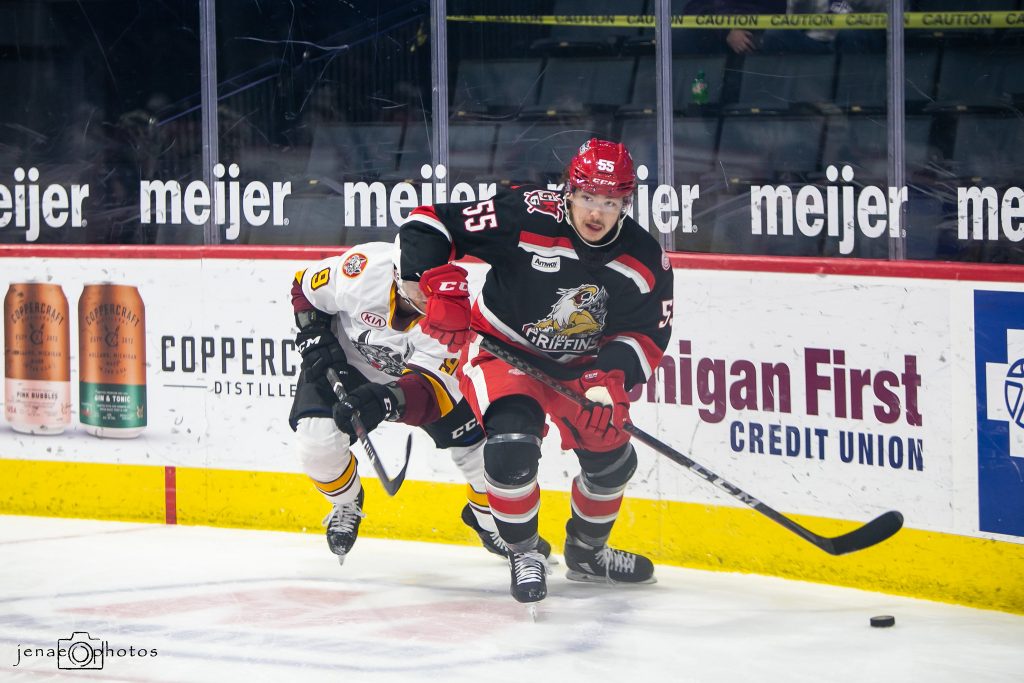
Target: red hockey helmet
(602,167)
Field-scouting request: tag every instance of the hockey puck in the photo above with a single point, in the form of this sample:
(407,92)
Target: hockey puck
(884,621)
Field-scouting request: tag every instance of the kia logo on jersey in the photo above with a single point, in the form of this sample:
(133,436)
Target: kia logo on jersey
(372,319)
(999,376)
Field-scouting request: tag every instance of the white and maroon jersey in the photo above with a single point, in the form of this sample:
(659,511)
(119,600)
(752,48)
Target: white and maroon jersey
(548,291)
(358,289)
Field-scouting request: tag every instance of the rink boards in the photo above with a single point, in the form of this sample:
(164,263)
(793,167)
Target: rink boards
(831,390)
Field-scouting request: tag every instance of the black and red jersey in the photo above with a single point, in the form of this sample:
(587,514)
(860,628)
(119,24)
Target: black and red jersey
(548,291)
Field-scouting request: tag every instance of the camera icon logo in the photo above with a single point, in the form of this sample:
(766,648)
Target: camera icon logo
(79,651)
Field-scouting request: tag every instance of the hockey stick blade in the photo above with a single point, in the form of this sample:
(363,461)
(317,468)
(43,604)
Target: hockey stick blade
(871,533)
(390,485)
(865,536)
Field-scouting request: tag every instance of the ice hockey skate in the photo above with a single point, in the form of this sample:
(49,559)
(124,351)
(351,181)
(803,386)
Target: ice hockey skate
(492,540)
(343,526)
(604,564)
(529,576)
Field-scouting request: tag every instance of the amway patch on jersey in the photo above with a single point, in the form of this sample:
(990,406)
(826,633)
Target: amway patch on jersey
(354,265)
(544,201)
(546,265)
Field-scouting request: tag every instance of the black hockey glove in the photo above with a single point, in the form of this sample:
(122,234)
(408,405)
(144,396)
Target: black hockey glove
(375,403)
(319,347)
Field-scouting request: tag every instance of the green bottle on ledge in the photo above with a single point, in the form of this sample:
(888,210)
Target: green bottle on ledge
(699,89)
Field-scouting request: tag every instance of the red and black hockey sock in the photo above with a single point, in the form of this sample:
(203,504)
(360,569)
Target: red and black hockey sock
(511,457)
(597,493)
(593,513)
(515,513)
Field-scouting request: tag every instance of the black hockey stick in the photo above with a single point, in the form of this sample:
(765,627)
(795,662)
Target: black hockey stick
(390,485)
(871,533)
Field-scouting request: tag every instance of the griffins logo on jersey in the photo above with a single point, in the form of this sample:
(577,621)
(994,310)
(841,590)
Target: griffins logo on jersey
(353,265)
(544,201)
(575,323)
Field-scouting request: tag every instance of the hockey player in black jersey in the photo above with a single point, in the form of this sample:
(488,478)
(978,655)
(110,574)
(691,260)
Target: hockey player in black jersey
(581,290)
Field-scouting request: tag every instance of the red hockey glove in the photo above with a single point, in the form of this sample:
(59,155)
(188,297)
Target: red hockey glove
(605,420)
(447,311)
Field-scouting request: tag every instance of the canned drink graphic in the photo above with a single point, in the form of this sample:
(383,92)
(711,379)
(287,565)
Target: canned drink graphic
(37,358)
(112,360)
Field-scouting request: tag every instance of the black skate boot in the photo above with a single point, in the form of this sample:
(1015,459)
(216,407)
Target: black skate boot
(529,576)
(492,540)
(343,526)
(605,565)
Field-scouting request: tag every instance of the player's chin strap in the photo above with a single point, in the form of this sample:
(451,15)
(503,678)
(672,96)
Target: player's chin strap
(401,293)
(608,239)
(865,536)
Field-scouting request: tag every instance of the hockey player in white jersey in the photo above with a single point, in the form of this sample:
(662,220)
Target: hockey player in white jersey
(355,317)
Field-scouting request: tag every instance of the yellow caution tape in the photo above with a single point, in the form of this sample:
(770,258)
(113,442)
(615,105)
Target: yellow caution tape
(912,20)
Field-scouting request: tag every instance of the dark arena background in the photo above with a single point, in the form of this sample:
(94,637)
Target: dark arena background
(838,188)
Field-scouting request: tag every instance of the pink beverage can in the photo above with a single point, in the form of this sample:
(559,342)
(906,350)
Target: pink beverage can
(37,358)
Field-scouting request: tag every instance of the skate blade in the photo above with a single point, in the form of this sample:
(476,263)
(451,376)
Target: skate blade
(551,560)
(531,609)
(341,560)
(574,575)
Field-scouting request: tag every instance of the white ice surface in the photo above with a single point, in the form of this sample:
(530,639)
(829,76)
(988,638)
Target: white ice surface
(234,605)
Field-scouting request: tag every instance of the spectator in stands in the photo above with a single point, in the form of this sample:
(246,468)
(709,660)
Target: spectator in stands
(739,41)
(825,41)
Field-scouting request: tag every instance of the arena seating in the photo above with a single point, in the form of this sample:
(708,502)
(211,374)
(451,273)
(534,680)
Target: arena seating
(768,117)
